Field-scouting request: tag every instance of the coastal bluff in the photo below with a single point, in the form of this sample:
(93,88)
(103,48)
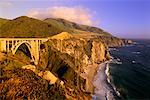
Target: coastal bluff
(77,59)
(67,61)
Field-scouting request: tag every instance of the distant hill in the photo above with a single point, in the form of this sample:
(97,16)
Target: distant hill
(3,21)
(29,27)
(67,24)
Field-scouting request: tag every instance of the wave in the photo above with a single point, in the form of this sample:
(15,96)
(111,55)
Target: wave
(107,72)
(115,61)
(104,89)
(136,52)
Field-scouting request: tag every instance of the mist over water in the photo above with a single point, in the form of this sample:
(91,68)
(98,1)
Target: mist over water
(131,74)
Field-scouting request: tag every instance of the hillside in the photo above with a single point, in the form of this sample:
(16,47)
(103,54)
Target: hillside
(29,27)
(3,21)
(72,25)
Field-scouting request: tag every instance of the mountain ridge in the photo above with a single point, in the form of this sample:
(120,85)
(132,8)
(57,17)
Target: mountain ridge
(26,27)
(78,26)
(50,26)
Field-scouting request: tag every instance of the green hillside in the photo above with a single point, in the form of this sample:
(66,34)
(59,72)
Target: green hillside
(29,27)
(3,21)
(67,24)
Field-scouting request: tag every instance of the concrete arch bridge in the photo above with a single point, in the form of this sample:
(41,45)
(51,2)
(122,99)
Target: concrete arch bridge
(12,45)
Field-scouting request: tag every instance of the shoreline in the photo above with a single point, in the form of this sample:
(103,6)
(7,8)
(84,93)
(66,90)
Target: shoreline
(103,90)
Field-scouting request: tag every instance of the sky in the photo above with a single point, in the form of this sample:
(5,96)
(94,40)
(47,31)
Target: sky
(122,18)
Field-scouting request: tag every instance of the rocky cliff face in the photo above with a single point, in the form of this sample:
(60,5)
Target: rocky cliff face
(99,52)
(110,41)
(73,60)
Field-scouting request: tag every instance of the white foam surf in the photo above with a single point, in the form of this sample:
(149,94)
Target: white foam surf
(104,89)
(107,72)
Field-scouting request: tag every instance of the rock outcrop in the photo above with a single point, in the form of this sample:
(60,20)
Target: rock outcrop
(73,60)
(47,75)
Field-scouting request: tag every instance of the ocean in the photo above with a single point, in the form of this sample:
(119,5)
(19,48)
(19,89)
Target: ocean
(130,70)
(127,75)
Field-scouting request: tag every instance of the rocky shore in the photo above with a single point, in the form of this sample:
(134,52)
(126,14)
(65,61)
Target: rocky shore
(102,89)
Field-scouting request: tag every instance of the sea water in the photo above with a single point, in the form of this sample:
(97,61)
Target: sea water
(129,71)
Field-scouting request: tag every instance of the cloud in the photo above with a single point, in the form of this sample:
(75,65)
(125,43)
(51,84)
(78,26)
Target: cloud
(76,14)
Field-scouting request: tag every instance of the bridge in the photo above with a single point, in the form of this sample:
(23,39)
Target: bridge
(12,45)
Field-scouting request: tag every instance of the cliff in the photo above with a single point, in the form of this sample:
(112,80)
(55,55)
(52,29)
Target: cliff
(70,58)
(73,60)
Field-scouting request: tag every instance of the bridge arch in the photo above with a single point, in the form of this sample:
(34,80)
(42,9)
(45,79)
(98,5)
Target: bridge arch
(15,48)
(33,45)
(27,44)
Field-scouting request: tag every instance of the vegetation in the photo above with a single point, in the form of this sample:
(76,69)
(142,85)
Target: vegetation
(3,21)
(20,83)
(28,27)
(22,57)
(67,24)
(25,84)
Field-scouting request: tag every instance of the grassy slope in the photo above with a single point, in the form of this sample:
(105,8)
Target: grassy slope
(28,27)
(74,26)
(20,84)
(79,31)
(3,21)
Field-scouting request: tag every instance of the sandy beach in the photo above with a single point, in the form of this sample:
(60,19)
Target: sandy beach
(102,90)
